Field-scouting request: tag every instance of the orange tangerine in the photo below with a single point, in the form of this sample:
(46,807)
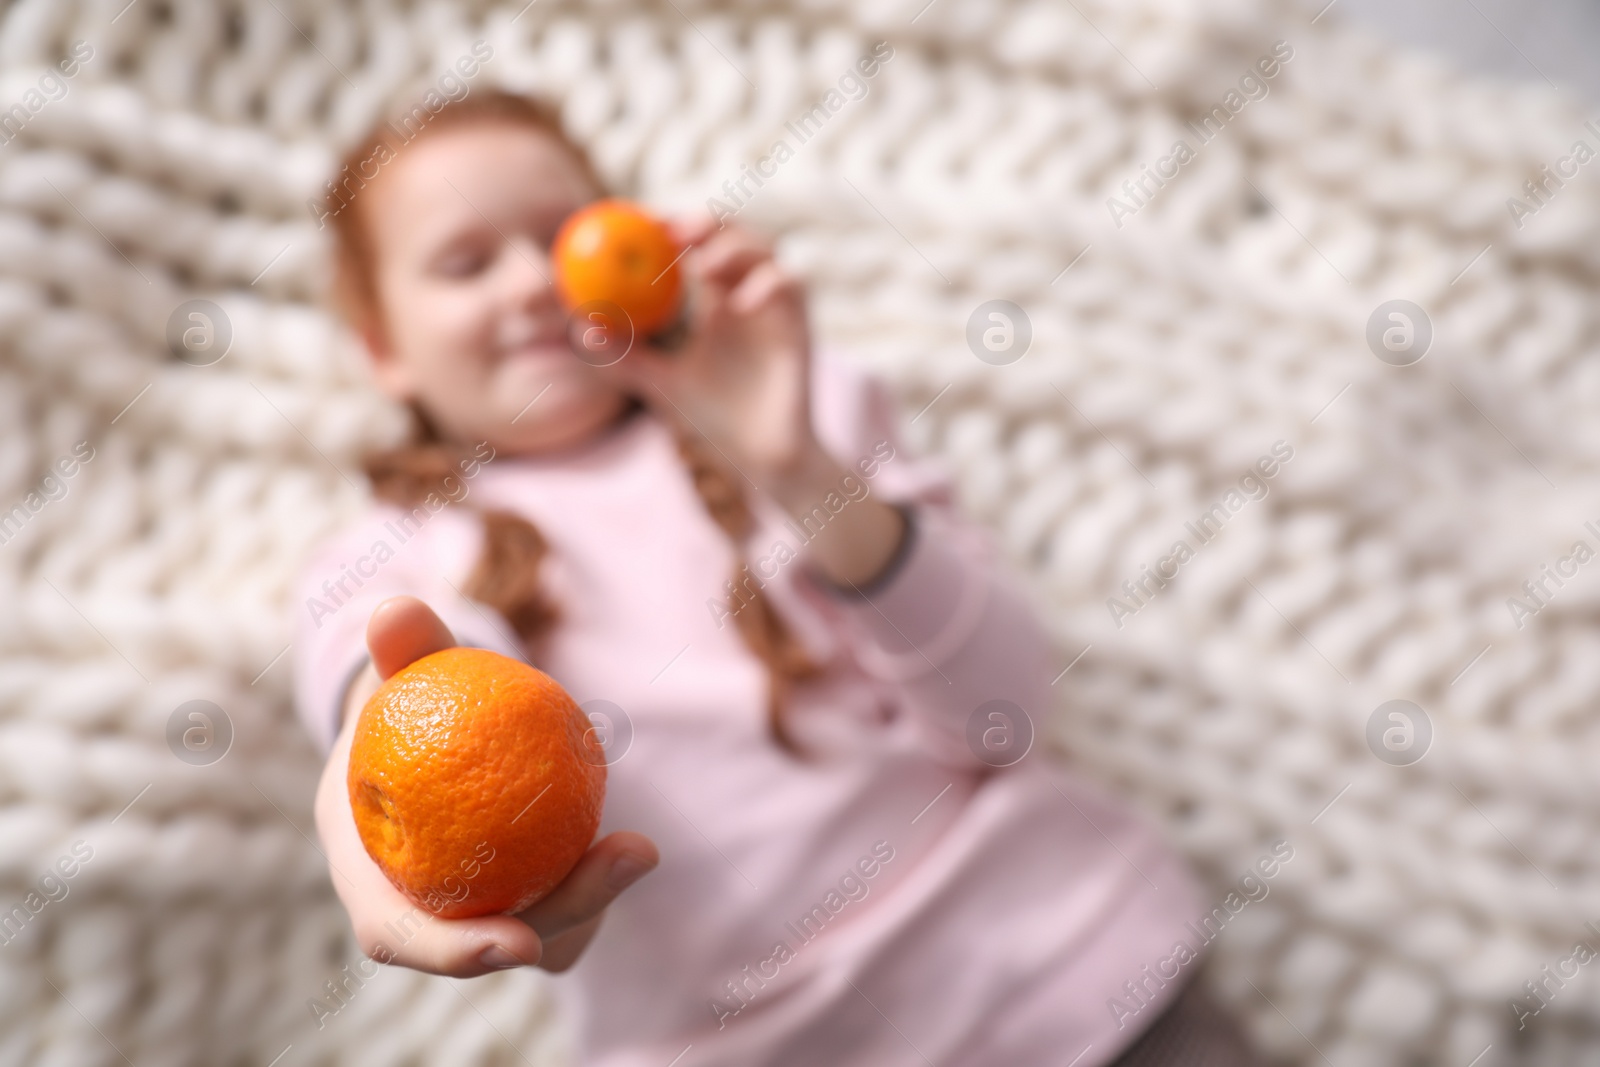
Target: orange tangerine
(476,782)
(615,251)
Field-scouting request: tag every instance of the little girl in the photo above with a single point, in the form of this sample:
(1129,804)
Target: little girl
(816,687)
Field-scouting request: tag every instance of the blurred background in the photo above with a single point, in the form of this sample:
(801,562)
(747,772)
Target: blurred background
(1497,38)
(1370,662)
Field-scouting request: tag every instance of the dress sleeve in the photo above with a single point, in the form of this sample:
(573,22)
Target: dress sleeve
(390,553)
(947,626)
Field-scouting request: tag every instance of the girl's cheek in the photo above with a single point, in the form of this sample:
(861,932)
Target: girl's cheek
(467,319)
(438,315)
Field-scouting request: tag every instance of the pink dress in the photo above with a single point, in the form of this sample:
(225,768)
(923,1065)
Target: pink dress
(902,901)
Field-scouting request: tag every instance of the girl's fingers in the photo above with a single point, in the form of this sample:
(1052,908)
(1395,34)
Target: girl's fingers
(401,630)
(726,258)
(692,229)
(765,283)
(562,952)
(642,371)
(457,948)
(397,931)
(391,929)
(614,862)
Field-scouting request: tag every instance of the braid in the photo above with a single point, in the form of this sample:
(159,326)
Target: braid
(759,624)
(506,576)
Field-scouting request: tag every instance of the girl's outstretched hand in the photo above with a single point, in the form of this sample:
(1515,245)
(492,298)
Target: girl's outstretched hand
(392,929)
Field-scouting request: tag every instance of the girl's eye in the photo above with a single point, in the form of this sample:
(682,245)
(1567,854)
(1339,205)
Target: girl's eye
(462,262)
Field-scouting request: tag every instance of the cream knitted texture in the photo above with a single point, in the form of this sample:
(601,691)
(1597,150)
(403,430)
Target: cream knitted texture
(1227,315)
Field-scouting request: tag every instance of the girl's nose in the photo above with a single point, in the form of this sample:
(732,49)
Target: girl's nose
(532,275)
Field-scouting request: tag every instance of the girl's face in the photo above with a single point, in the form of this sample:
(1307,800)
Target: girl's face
(460,223)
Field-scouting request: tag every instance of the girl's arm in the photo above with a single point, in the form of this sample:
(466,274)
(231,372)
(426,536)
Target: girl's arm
(859,541)
(947,627)
(954,637)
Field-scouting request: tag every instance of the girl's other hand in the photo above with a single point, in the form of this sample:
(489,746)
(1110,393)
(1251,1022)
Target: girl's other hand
(388,926)
(740,379)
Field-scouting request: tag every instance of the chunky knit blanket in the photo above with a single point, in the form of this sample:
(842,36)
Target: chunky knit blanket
(1199,215)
